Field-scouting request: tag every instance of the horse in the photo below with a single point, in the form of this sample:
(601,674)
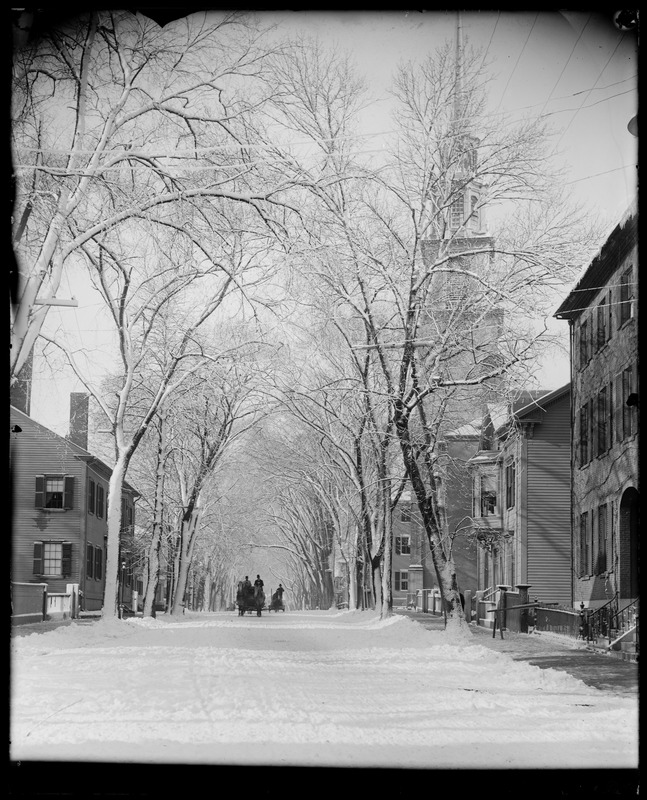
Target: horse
(259,599)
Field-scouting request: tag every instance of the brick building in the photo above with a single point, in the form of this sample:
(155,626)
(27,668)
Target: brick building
(602,312)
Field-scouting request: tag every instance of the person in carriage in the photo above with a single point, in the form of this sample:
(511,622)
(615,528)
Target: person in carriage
(277,599)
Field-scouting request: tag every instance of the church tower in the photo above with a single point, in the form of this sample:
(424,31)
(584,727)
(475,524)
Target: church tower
(458,314)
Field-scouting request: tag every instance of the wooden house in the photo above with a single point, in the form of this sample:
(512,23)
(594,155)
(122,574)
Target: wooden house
(59,514)
(521,496)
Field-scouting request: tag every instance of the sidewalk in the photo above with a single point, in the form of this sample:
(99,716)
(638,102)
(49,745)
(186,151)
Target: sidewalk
(552,651)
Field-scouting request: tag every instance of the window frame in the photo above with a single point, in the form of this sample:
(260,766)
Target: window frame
(40,491)
(399,580)
(39,558)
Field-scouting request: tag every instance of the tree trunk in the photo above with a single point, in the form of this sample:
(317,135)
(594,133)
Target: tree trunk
(115,487)
(187,540)
(153,561)
(443,563)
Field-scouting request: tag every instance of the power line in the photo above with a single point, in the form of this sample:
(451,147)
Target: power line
(514,69)
(589,92)
(568,61)
(597,174)
(353,137)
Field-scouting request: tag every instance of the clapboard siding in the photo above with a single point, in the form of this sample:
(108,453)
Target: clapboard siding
(548,504)
(39,451)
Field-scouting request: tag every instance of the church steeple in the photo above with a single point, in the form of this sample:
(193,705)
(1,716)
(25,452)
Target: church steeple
(466,218)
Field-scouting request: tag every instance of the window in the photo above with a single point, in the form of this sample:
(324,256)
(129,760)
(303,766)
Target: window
(89,561)
(584,344)
(52,558)
(601,418)
(626,295)
(54,491)
(401,581)
(99,505)
(402,545)
(488,495)
(98,563)
(584,435)
(405,514)
(602,540)
(510,484)
(584,555)
(457,212)
(91,496)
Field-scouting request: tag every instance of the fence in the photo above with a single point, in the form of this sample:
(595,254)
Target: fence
(558,620)
(28,602)
(31,602)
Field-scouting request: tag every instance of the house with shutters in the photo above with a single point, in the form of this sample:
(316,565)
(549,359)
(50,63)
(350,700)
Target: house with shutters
(602,313)
(521,496)
(59,514)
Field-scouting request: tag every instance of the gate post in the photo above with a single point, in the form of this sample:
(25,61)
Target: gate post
(468,606)
(523,600)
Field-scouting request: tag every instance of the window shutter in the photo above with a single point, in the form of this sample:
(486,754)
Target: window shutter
(91,491)
(68,497)
(620,434)
(66,564)
(40,492)
(38,558)
(610,415)
(89,561)
(98,563)
(397,545)
(593,439)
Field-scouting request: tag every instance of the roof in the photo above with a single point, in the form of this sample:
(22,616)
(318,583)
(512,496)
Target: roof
(77,451)
(543,401)
(526,403)
(617,245)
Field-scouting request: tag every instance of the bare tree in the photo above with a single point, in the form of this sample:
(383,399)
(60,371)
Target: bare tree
(449,312)
(117,120)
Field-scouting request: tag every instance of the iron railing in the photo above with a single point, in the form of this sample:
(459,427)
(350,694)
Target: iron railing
(609,621)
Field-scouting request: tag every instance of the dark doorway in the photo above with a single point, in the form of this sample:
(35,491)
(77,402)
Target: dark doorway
(628,541)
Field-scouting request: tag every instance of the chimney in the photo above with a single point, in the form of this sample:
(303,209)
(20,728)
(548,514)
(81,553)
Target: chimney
(20,392)
(79,412)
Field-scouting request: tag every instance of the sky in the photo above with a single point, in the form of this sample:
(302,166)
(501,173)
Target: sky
(575,69)
(311,688)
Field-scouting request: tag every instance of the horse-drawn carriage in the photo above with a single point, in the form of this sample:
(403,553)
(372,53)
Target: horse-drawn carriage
(250,599)
(276,603)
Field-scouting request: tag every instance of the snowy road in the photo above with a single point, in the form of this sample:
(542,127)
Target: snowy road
(302,688)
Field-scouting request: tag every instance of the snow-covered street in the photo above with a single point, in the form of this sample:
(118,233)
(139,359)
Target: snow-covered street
(302,688)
